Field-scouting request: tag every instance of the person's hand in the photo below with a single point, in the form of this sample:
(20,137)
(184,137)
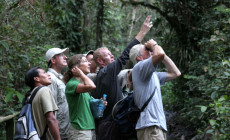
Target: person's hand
(144,29)
(158,50)
(76,71)
(106,103)
(146,26)
(149,45)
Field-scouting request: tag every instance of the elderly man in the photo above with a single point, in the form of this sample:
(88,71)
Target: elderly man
(56,59)
(107,82)
(152,123)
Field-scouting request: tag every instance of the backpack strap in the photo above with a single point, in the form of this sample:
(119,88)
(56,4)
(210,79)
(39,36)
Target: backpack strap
(30,102)
(33,94)
(147,102)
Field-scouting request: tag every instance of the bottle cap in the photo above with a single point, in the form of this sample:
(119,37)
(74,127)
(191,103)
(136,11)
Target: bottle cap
(104,97)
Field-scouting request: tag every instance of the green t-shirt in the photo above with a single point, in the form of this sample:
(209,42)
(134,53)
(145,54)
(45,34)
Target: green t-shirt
(79,108)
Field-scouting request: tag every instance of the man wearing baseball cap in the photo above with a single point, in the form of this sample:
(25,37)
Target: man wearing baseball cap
(93,65)
(56,59)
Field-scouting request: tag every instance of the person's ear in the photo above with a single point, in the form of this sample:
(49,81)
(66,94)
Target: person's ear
(36,79)
(100,61)
(52,60)
(139,58)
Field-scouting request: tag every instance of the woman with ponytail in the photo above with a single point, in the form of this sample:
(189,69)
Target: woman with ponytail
(78,86)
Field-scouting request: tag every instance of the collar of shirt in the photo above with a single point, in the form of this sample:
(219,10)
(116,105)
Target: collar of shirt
(58,75)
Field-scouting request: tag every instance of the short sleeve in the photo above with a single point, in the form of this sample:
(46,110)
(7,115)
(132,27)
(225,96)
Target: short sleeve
(162,77)
(144,69)
(71,86)
(47,101)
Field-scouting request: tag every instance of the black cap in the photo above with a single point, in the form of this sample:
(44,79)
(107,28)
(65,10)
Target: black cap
(89,52)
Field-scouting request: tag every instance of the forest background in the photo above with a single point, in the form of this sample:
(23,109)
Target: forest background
(194,33)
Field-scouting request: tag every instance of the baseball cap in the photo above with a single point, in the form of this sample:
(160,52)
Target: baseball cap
(54,51)
(134,52)
(89,52)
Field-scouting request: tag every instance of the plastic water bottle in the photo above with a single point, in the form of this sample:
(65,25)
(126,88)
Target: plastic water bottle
(104,97)
(101,106)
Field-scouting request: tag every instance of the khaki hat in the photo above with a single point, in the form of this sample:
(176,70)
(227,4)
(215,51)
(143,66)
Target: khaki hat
(123,77)
(134,52)
(54,51)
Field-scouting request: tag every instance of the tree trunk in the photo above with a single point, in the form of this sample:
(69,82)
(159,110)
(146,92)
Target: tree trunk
(133,21)
(99,31)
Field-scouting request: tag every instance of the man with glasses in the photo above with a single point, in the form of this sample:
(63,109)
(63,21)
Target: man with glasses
(56,60)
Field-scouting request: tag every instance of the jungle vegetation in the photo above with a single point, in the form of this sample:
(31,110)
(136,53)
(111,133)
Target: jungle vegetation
(194,33)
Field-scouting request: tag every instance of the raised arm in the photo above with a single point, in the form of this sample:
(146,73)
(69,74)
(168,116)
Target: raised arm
(144,29)
(172,70)
(87,85)
(158,55)
(157,52)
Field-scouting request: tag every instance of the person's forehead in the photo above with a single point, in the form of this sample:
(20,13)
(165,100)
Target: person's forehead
(105,51)
(89,56)
(83,58)
(40,70)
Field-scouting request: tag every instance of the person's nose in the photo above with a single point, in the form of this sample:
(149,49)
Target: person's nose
(65,57)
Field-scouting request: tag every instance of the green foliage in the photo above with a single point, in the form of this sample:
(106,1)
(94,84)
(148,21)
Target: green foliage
(208,79)
(220,120)
(221,123)
(68,19)
(195,34)
(22,40)
(168,96)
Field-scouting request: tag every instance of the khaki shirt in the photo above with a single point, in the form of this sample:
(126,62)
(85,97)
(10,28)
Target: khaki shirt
(42,103)
(58,89)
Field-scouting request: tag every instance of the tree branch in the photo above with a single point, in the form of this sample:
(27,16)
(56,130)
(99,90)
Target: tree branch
(173,21)
(6,118)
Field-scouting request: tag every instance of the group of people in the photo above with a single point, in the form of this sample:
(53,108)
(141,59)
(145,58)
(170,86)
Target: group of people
(63,104)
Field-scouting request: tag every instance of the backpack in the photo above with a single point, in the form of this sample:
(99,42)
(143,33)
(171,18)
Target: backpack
(25,127)
(126,114)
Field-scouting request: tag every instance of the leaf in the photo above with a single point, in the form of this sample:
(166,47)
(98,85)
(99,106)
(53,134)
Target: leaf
(9,96)
(190,76)
(5,45)
(226,73)
(203,108)
(221,99)
(20,96)
(213,95)
(72,14)
(209,131)
(212,122)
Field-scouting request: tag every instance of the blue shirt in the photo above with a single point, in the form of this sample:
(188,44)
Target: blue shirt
(145,79)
